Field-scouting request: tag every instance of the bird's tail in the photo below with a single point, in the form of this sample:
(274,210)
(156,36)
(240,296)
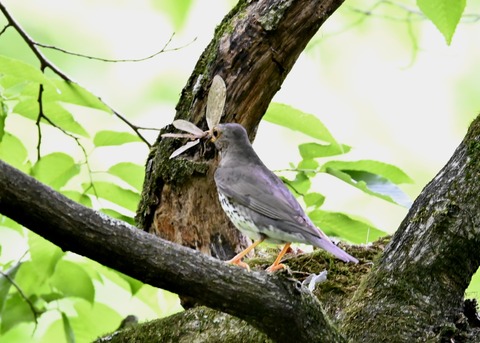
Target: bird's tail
(329,246)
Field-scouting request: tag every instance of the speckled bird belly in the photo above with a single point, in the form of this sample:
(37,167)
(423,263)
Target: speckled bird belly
(240,217)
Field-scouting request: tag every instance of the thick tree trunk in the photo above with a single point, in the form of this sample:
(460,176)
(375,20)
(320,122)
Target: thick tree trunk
(254,49)
(417,288)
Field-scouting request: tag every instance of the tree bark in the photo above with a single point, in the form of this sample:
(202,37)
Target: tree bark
(417,288)
(254,49)
(215,327)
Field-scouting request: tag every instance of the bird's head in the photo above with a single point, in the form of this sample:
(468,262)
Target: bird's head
(229,135)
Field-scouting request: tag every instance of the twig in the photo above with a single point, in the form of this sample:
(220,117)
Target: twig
(370,12)
(25,298)
(39,117)
(414,14)
(413,39)
(164,49)
(45,63)
(148,128)
(4,29)
(297,170)
(353,24)
(77,140)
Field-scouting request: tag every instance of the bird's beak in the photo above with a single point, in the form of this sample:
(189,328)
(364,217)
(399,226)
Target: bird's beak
(212,137)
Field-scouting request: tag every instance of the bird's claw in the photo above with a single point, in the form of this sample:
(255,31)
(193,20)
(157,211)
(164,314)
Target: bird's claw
(239,263)
(275,267)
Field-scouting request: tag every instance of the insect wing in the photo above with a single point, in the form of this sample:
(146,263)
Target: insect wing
(216,101)
(188,127)
(179,135)
(184,148)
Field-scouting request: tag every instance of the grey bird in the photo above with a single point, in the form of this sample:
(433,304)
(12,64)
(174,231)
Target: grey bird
(257,201)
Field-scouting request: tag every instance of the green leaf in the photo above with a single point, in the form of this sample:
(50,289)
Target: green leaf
(90,322)
(14,153)
(178,11)
(474,287)
(67,328)
(14,87)
(6,283)
(93,321)
(341,225)
(114,193)
(3,116)
(166,303)
(15,312)
(21,70)
(73,94)
(298,186)
(28,276)
(118,215)
(8,223)
(388,171)
(315,150)
(27,108)
(55,169)
(445,14)
(314,199)
(73,281)
(108,138)
(134,284)
(373,184)
(81,198)
(62,118)
(44,258)
(19,334)
(297,120)
(309,167)
(131,173)
(52,296)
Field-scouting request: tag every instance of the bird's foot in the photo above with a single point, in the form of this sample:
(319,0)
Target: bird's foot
(274,267)
(239,263)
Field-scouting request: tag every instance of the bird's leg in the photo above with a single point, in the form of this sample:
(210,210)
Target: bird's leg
(277,265)
(237,260)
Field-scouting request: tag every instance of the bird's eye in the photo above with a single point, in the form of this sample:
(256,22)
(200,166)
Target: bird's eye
(215,133)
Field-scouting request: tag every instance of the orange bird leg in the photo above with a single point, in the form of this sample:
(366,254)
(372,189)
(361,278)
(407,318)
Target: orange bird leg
(237,260)
(277,265)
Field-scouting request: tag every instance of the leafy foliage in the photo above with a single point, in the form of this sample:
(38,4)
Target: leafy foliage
(47,287)
(374,178)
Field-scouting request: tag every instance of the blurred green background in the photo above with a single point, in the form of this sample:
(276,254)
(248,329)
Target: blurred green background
(380,77)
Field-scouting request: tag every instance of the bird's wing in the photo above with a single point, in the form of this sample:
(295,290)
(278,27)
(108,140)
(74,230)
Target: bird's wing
(270,198)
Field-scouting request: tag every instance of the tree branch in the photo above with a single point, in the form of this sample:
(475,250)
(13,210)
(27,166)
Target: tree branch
(216,327)
(118,60)
(270,303)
